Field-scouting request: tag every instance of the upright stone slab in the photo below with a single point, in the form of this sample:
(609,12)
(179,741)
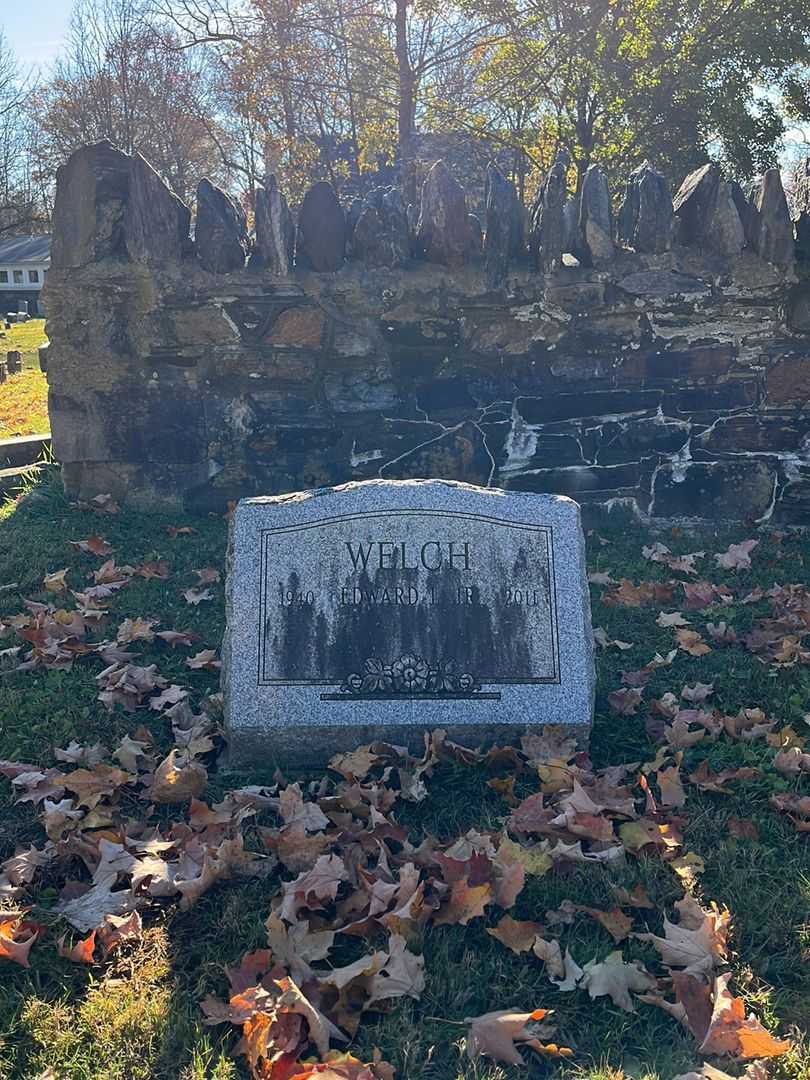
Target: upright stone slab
(321,244)
(275,231)
(380,610)
(92,189)
(221,233)
(156,222)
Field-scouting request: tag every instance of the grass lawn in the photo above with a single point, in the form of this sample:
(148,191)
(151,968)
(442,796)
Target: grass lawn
(24,397)
(138,1014)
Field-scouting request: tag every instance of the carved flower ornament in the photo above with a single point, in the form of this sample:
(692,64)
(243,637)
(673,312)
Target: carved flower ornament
(410,674)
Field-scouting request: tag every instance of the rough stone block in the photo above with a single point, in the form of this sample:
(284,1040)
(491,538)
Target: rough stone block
(773,236)
(443,232)
(275,231)
(596,217)
(321,243)
(630,440)
(707,214)
(645,217)
(458,454)
(221,232)
(740,490)
(597,403)
(752,434)
(580,482)
(92,190)
(298,327)
(706,400)
(156,222)
(787,383)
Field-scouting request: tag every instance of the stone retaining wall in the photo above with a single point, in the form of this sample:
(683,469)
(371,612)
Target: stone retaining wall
(675,377)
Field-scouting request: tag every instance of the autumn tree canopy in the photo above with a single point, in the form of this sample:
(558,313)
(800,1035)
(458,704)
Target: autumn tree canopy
(338,89)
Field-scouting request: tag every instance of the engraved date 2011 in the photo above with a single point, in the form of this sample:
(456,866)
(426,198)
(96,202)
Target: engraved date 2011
(524,597)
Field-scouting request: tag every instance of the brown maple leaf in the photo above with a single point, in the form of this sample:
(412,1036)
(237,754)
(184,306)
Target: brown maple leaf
(81,952)
(519,936)
(312,887)
(101,504)
(208,575)
(731,1032)
(177,637)
(115,930)
(706,780)
(690,641)
(497,1035)
(135,630)
(465,903)
(638,898)
(93,545)
(178,779)
(625,702)
(153,569)
(737,557)
(197,596)
(615,979)
(17,937)
(698,942)
(672,790)
(205,660)
(617,924)
(90,786)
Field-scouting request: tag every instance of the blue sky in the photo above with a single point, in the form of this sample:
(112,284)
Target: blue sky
(35,28)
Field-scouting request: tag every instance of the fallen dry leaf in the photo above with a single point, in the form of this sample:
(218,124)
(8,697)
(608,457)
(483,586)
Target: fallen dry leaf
(93,545)
(616,979)
(87,911)
(205,660)
(625,702)
(177,637)
(737,557)
(674,618)
(698,942)
(196,596)
(690,641)
(617,924)
(706,780)
(16,937)
(731,1032)
(519,936)
(208,575)
(114,930)
(81,952)
(601,638)
(178,779)
(55,582)
(497,1035)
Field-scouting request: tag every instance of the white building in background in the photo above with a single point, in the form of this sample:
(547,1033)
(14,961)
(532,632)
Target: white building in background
(24,262)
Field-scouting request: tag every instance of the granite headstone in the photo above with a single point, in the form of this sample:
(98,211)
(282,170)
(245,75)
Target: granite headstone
(383,609)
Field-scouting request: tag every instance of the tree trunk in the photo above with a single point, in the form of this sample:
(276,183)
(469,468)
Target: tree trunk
(407,86)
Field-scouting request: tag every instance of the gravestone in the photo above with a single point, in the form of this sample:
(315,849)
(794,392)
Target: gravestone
(383,609)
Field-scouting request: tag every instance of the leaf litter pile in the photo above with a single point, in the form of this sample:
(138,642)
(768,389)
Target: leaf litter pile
(355,898)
